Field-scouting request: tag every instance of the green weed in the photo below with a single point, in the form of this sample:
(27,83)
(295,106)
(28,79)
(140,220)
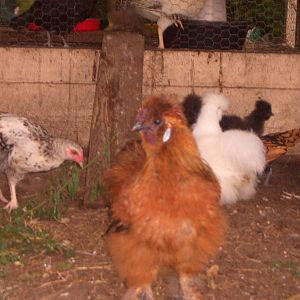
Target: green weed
(18,239)
(64,266)
(289,266)
(57,198)
(268,16)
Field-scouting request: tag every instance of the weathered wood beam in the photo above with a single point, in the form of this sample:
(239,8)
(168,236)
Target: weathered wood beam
(117,99)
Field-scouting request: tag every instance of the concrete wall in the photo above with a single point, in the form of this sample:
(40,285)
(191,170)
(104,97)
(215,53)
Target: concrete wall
(243,77)
(56,86)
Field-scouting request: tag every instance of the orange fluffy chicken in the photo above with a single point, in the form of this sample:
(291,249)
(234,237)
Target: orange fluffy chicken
(168,212)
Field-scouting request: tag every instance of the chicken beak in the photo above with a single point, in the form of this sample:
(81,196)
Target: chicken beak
(138,126)
(80,164)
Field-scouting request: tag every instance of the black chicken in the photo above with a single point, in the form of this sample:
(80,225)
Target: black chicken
(58,16)
(254,121)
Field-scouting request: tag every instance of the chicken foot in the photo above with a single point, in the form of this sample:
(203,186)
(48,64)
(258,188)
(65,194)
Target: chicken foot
(13,203)
(176,21)
(141,293)
(165,22)
(189,288)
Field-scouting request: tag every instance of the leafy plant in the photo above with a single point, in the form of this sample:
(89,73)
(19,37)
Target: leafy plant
(266,15)
(289,265)
(18,239)
(57,197)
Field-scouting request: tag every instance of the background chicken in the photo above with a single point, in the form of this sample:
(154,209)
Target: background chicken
(26,147)
(277,144)
(254,121)
(236,156)
(168,212)
(58,16)
(164,12)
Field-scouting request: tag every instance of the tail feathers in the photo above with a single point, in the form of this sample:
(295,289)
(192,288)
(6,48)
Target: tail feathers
(278,143)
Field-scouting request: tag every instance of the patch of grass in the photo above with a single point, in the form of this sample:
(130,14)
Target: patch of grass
(57,198)
(3,271)
(289,266)
(18,239)
(100,160)
(64,266)
(96,191)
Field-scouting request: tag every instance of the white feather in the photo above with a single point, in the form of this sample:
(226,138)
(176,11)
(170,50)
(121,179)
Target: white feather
(235,156)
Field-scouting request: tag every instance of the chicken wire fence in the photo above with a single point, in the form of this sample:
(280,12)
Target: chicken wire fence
(193,24)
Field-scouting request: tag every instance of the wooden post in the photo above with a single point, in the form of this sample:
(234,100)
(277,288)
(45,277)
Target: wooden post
(291,22)
(117,99)
(298,25)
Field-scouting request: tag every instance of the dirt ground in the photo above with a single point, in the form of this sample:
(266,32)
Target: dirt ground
(260,260)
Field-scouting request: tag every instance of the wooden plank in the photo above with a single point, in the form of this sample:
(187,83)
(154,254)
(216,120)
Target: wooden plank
(117,99)
(298,25)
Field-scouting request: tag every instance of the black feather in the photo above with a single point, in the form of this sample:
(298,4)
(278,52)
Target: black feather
(256,119)
(232,122)
(191,107)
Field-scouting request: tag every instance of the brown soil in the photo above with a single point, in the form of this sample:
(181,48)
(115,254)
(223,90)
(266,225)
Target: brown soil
(261,259)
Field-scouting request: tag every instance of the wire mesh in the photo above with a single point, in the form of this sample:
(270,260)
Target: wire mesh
(207,24)
(50,22)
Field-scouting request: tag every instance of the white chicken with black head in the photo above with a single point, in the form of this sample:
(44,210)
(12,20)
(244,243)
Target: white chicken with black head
(237,157)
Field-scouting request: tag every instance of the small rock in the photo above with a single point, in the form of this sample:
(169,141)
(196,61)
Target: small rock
(65,220)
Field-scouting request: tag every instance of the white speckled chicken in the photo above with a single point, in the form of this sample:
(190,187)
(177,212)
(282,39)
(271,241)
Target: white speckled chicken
(26,147)
(165,12)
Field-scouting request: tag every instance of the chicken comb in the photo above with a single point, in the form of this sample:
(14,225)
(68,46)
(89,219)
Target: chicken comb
(278,143)
(141,115)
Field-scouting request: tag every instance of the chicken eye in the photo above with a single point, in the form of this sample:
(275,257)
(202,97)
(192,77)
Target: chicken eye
(157,122)
(73,152)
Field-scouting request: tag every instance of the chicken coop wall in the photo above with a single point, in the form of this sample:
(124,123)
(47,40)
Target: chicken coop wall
(56,87)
